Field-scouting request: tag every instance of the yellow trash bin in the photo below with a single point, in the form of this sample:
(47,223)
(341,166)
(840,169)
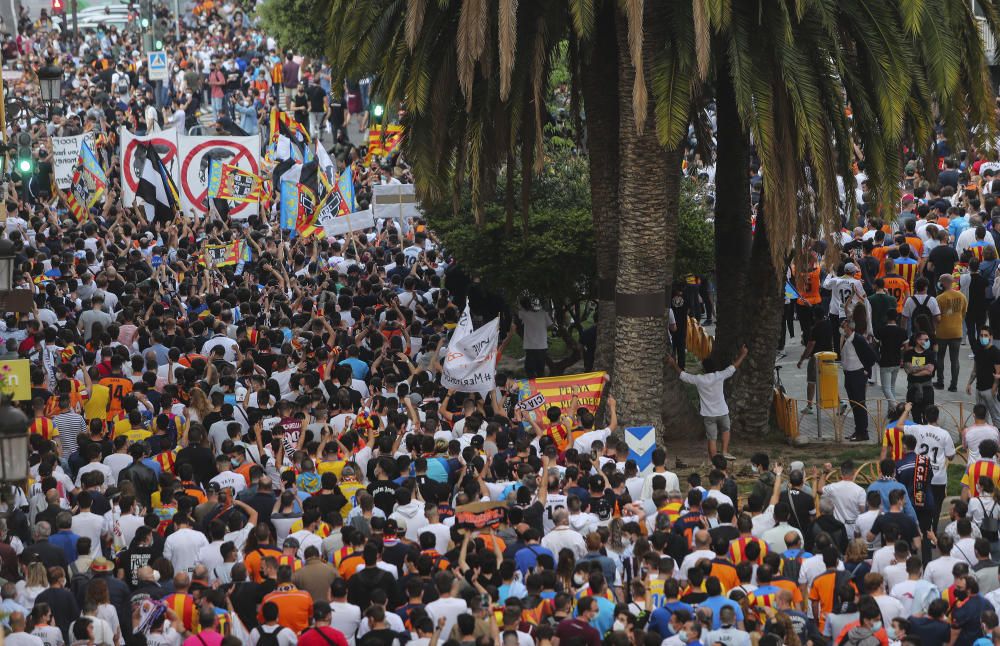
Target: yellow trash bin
(828,378)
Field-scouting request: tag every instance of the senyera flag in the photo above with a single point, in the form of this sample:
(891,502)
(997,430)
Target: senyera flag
(237,185)
(544,392)
(382,141)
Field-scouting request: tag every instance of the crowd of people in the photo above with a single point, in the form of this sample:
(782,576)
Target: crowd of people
(263,453)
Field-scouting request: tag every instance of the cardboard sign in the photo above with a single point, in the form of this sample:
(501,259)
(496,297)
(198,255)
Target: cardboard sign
(338,225)
(396,201)
(480,514)
(65,152)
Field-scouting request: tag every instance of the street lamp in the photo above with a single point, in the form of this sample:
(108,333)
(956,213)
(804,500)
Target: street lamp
(50,78)
(13,443)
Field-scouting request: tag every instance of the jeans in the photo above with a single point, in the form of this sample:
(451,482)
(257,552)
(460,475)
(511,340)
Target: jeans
(888,376)
(217,106)
(855,382)
(987,399)
(951,346)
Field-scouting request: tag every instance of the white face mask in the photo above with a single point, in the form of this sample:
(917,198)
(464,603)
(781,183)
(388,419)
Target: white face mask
(618,626)
(578,580)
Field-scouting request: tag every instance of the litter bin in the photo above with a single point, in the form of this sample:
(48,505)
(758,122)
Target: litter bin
(828,378)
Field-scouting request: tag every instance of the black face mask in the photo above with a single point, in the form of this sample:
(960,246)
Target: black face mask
(961,595)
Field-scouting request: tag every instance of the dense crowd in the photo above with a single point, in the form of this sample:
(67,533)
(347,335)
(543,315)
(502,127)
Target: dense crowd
(263,453)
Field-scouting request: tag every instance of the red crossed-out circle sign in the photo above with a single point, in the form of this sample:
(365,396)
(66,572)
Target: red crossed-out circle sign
(191,168)
(166,148)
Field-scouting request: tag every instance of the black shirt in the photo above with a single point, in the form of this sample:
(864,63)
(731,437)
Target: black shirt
(316,97)
(908,529)
(384,493)
(986,360)
(822,336)
(802,505)
(921,359)
(943,257)
(891,339)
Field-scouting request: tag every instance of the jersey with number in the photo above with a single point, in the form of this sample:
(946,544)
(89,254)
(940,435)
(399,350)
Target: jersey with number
(899,288)
(937,444)
(350,490)
(118,389)
(553,501)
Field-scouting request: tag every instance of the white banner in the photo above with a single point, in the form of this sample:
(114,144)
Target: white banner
(133,156)
(65,152)
(397,201)
(341,224)
(470,363)
(196,156)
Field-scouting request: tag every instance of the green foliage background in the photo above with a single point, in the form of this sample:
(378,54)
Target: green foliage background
(295,24)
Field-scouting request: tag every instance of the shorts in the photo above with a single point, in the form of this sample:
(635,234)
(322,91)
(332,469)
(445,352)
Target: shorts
(716,425)
(811,371)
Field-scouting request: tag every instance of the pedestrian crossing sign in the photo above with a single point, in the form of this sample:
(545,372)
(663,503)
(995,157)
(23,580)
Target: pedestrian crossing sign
(156,63)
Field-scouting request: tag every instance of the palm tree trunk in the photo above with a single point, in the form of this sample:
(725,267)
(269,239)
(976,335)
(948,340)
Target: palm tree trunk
(752,388)
(601,104)
(733,235)
(647,231)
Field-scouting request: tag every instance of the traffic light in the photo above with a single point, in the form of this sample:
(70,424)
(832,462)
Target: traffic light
(25,159)
(57,6)
(378,110)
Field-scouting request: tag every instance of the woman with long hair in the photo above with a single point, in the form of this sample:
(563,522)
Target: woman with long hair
(42,625)
(564,569)
(100,596)
(36,580)
(198,407)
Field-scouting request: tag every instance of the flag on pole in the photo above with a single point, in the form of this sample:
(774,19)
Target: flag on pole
(89,183)
(345,183)
(156,188)
(791,293)
(383,141)
(237,185)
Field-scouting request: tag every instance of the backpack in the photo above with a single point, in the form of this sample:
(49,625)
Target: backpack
(990,526)
(922,317)
(790,567)
(123,85)
(266,638)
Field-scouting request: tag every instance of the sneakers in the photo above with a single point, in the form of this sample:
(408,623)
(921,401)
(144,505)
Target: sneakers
(857,438)
(808,410)
(953,389)
(729,456)
(938,386)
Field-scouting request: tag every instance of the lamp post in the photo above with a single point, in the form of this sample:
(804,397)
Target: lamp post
(50,79)
(13,444)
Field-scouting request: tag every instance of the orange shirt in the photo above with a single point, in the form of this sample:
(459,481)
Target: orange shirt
(916,244)
(881,253)
(560,435)
(808,286)
(792,587)
(822,591)
(295,607)
(291,561)
(254,561)
(726,574)
(118,389)
(349,564)
(899,288)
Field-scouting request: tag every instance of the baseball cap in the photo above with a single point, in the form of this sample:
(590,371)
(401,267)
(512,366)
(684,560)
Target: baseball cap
(850,267)
(394,527)
(291,542)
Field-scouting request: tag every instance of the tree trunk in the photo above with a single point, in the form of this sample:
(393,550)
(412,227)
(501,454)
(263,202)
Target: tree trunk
(601,104)
(733,234)
(645,249)
(752,389)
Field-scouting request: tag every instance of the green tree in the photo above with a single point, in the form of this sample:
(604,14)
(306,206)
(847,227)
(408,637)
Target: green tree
(296,24)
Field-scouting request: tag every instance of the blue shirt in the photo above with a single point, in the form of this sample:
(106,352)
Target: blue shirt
(884,487)
(527,557)
(659,619)
(957,226)
(966,619)
(66,540)
(718,603)
(358,367)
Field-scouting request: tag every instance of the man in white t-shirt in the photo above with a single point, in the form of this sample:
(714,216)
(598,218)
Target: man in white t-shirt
(535,337)
(714,409)
(447,605)
(937,444)
(979,431)
(847,496)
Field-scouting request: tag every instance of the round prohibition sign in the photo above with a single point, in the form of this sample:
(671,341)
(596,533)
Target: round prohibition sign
(166,157)
(241,153)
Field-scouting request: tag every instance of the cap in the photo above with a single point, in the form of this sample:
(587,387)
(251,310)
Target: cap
(213,487)
(850,267)
(394,527)
(415,399)
(101,564)
(291,542)
(112,492)
(908,197)
(796,465)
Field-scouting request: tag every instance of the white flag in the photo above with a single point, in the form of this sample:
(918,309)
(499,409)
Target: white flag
(470,363)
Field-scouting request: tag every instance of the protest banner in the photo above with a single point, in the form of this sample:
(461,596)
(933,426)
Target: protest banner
(338,225)
(395,201)
(196,157)
(587,387)
(132,153)
(65,153)
(470,363)
(480,514)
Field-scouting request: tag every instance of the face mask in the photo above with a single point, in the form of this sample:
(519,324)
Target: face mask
(234,462)
(877,626)
(683,636)
(618,626)
(578,580)
(926,344)
(891,632)
(961,594)
(985,340)
(754,468)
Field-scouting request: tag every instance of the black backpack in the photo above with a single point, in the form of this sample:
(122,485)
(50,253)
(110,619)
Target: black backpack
(266,638)
(922,317)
